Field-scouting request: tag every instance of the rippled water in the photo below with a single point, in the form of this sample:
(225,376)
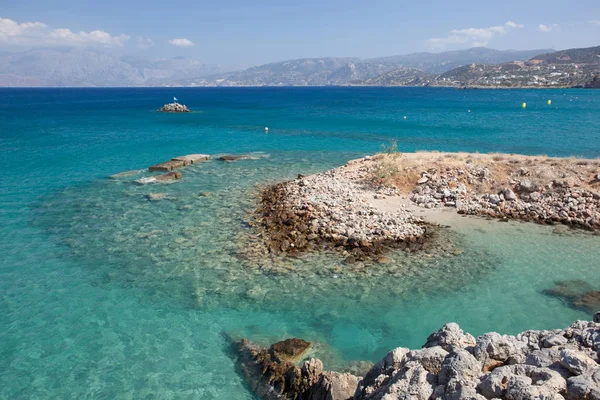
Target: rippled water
(106,294)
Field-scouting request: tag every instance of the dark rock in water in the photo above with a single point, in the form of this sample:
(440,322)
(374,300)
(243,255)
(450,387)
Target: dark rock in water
(577,294)
(589,301)
(569,289)
(174,108)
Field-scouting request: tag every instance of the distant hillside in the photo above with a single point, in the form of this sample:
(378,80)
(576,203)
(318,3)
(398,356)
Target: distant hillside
(401,77)
(344,71)
(437,63)
(588,55)
(77,67)
(567,68)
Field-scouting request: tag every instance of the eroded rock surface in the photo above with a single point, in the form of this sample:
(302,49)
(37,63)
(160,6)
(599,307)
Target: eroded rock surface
(554,364)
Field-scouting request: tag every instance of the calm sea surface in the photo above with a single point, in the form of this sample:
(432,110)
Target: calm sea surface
(105,295)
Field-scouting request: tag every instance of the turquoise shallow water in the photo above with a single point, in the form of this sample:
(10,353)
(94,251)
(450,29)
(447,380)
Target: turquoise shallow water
(104,294)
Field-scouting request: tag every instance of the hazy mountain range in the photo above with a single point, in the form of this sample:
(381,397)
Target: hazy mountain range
(77,67)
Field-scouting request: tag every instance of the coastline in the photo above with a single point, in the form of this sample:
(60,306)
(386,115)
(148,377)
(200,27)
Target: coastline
(452,364)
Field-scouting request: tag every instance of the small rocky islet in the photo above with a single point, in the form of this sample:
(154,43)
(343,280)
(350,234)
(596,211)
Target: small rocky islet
(174,108)
(547,364)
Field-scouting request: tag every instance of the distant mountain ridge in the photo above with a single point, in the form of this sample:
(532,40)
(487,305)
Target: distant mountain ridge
(85,67)
(342,71)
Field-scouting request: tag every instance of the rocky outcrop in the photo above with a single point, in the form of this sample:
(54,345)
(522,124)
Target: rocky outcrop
(327,212)
(174,108)
(555,364)
(273,373)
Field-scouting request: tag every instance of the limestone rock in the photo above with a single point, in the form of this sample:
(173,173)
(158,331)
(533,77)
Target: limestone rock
(586,387)
(333,386)
(577,362)
(460,364)
(450,337)
(412,382)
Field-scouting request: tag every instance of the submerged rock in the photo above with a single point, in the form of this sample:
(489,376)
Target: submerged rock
(231,157)
(577,294)
(166,178)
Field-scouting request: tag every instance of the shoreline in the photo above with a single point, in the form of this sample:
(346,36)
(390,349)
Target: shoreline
(452,364)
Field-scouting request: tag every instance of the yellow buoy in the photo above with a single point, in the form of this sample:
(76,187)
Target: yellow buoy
(524,105)
(549,102)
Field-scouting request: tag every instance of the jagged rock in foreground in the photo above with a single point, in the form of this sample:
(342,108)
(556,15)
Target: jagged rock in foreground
(554,364)
(174,108)
(273,374)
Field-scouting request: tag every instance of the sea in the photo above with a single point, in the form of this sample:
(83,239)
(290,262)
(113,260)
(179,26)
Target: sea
(107,295)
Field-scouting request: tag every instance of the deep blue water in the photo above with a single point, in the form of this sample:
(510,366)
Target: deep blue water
(106,295)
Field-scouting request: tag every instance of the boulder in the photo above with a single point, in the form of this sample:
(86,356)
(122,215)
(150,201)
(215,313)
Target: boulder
(493,349)
(577,362)
(333,386)
(460,364)
(385,366)
(451,337)
(509,195)
(522,382)
(585,387)
(411,382)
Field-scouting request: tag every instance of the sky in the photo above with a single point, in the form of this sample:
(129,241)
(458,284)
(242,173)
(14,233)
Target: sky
(244,33)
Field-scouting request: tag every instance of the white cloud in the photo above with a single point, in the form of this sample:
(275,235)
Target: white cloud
(144,43)
(548,28)
(595,21)
(476,36)
(37,33)
(181,42)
